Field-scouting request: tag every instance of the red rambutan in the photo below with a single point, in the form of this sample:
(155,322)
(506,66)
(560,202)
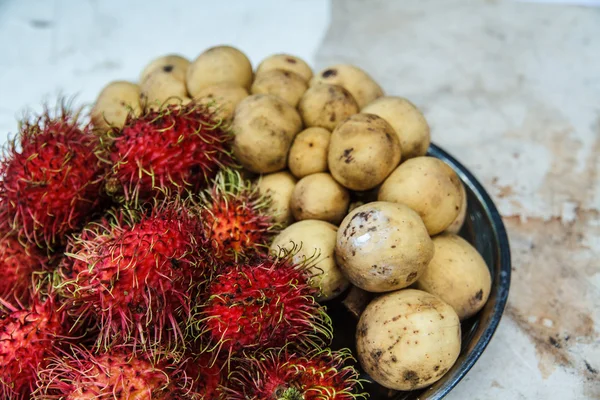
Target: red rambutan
(135,277)
(206,374)
(118,374)
(51,178)
(18,262)
(263,303)
(26,337)
(279,374)
(175,148)
(235,219)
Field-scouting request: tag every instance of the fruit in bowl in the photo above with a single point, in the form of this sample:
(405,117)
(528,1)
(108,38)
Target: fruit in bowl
(275,234)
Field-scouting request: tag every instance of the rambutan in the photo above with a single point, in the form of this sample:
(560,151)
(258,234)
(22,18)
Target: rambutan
(26,337)
(18,262)
(135,276)
(118,374)
(50,178)
(261,303)
(283,375)
(176,148)
(235,219)
(206,374)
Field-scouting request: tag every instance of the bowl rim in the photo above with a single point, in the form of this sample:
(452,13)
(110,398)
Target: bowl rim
(501,289)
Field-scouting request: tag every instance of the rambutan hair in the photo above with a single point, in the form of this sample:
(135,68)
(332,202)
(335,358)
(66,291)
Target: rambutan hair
(18,263)
(235,219)
(295,374)
(207,375)
(27,335)
(119,373)
(261,303)
(176,148)
(51,179)
(135,274)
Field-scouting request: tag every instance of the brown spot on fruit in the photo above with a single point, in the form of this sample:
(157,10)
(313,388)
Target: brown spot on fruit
(168,68)
(362,330)
(411,376)
(365,215)
(291,60)
(347,155)
(479,295)
(332,117)
(411,277)
(328,73)
(376,354)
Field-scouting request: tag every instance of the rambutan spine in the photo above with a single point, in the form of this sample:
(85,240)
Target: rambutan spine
(136,276)
(120,373)
(207,375)
(262,303)
(235,219)
(51,177)
(27,335)
(291,373)
(18,263)
(177,147)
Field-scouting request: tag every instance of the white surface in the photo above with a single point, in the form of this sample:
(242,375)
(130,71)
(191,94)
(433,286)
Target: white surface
(49,47)
(512,89)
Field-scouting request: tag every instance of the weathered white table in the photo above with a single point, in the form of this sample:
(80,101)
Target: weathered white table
(511,89)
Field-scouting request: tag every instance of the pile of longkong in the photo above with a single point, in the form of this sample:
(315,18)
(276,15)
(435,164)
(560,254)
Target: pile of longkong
(182,239)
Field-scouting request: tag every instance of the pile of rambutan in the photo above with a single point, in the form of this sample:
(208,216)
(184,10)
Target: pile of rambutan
(135,265)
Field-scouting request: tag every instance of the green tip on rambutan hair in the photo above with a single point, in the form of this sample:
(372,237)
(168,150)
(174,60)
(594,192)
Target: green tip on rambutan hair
(282,308)
(229,182)
(287,373)
(51,176)
(235,218)
(102,373)
(289,394)
(179,147)
(135,274)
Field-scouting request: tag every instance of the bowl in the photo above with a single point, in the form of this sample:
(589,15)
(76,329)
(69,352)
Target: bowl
(485,230)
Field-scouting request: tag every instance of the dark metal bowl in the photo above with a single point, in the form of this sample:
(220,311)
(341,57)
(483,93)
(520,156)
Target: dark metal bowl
(485,230)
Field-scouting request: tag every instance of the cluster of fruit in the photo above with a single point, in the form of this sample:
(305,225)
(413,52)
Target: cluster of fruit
(158,248)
